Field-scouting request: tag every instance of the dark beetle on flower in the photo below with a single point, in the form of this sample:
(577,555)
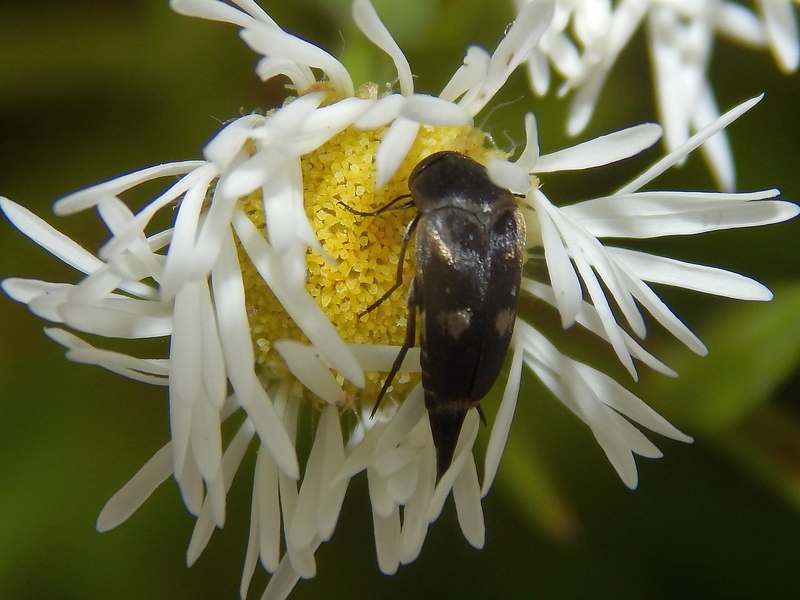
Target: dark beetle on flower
(470,244)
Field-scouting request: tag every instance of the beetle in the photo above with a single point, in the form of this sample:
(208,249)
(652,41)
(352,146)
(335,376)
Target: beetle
(470,245)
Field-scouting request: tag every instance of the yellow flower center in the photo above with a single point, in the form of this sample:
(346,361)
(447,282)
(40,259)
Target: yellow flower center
(367,248)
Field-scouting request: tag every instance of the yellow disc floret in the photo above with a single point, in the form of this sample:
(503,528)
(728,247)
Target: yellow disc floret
(337,176)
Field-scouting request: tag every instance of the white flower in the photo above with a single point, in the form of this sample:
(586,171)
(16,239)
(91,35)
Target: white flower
(261,283)
(585,39)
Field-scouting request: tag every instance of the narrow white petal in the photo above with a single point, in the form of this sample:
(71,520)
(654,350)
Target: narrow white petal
(717,150)
(740,24)
(467,496)
(431,110)
(204,527)
(387,541)
(530,24)
(304,525)
(370,23)
(701,219)
(700,278)
(502,421)
(306,364)
(780,23)
(394,146)
(572,239)
(213,10)
(650,300)
(382,504)
(530,155)
(673,100)
(267,510)
(229,142)
(415,513)
(379,357)
(49,238)
(584,100)
(282,581)
(468,75)
(89,197)
(402,483)
(332,490)
(411,411)
(134,493)
(237,348)
(612,394)
(300,75)
(563,277)
(271,41)
(361,456)
(679,153)
(204,173)
(252,554)
(384,111)
(602,150)
(301,307)
(509,175)
(117,322)
(589,318)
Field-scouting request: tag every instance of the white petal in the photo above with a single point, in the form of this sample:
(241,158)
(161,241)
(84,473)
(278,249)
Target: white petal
(387,541)
(502,421)
(589,318)
(229,142)
(120,321)
(780,22)
(509,175)
(620,399)
(271,41)
(394,146)
(306,364)
(268,510)
(563,277)
(369,22)
(212,10)
(434,111)
(530,155)
(602,150)
(204,527)
(472,72)
(679,153)
(282,581)
(49,238)
(379,357)
(740,23)
(89,197)
(301,307)
(700,278)
(467,496)
(134,493)
(332,490)
(530,24)
(411,412)
(384,111)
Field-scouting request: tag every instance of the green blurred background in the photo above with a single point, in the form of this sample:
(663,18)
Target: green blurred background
(96,88)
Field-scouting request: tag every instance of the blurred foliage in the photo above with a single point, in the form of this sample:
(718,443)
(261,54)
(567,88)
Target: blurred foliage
(96,88)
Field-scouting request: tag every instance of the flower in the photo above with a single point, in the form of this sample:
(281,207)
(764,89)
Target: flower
(681,35)
(262,281)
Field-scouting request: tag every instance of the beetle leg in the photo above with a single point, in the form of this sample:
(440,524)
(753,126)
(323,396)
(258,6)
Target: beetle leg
(411,337)
(386,207)
(399,280)
(481,415)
